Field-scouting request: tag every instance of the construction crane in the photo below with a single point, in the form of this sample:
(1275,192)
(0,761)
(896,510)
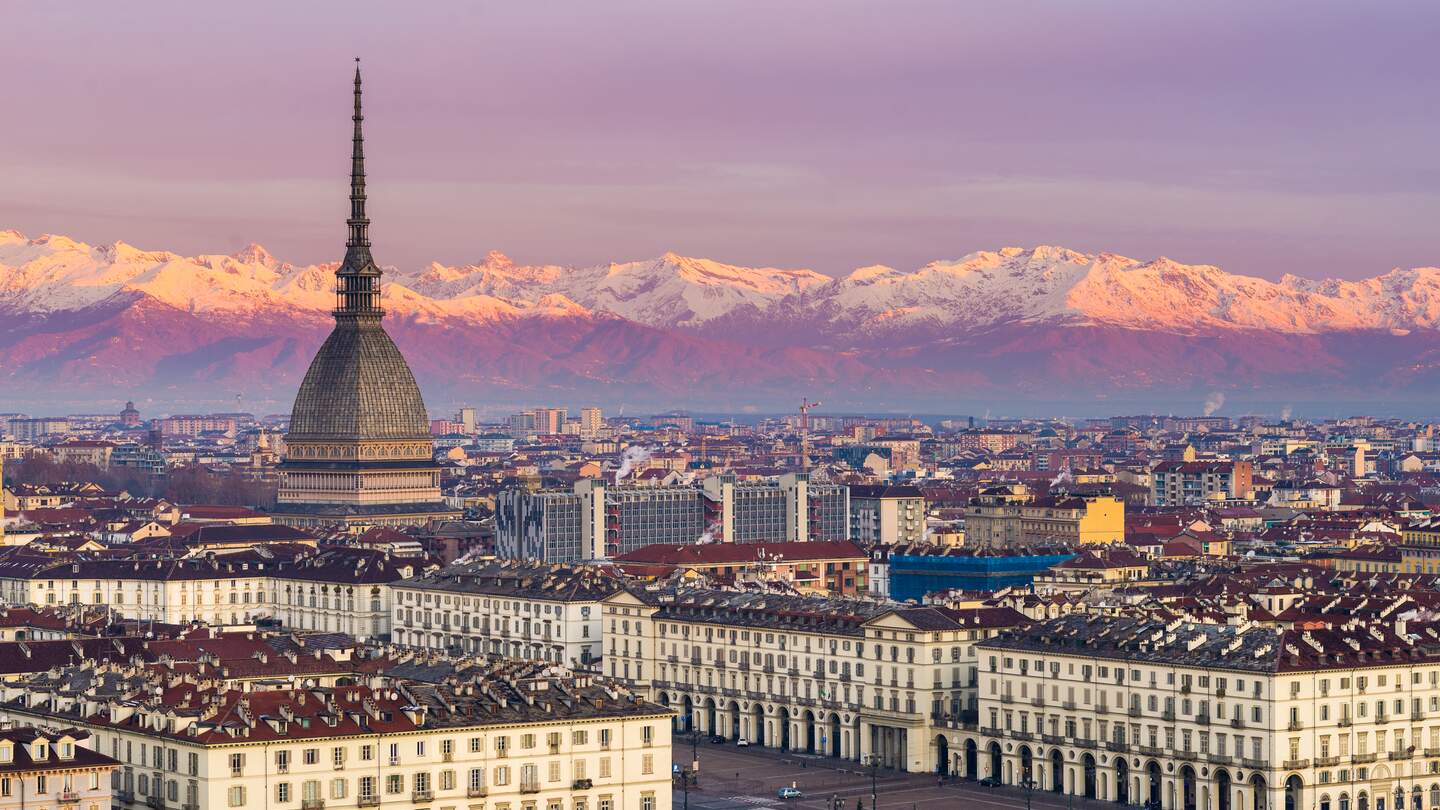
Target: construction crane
(805,407)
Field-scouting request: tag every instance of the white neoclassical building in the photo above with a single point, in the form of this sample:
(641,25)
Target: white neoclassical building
(840,677)
(1207,717)
(330,589)
(512,608)
(487,741)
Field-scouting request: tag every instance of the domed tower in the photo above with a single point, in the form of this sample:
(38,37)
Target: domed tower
(359,452)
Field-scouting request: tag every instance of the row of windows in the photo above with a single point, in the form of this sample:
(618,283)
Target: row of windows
(311,756)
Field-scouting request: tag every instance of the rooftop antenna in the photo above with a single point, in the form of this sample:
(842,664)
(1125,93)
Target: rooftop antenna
(805,407)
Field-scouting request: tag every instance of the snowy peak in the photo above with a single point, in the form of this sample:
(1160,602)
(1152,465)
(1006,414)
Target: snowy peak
(980,290)
(674,290)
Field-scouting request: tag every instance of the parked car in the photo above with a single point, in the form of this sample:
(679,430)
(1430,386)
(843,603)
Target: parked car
(742,742)
(789,793)
(716,738)
(990,782)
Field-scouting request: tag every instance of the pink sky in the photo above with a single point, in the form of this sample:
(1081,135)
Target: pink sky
(1266,137)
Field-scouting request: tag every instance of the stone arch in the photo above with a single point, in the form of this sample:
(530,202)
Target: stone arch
(1152,796)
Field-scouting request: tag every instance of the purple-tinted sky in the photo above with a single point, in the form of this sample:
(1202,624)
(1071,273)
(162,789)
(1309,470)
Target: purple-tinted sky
(1268,137)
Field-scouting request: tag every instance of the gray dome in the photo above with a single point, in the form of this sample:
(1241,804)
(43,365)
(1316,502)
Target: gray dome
(359,387)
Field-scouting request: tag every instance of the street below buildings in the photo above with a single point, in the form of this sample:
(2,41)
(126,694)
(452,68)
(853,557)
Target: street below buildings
(732,778)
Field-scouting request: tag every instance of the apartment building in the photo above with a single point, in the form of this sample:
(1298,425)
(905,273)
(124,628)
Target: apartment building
(592,422)
(596,520)
(1190,483)
(1227,717)
(506,736)
(838,677)
(35,428)
(507,608)
(1010,515)
(333,590)
(44,770)
(886,514)
(195,424)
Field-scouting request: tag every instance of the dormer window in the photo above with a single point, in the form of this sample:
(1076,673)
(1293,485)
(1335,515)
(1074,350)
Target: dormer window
(40,751)
(67,750)
(7,752)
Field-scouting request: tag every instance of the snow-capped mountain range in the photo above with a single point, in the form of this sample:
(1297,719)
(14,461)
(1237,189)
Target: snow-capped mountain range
(663,323)
(979,290)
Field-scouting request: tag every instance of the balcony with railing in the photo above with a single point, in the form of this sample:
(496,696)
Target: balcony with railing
(581,784)
(1326,762)
(421,795)
(156,802)
(530,787)
(68,797)
(1116,747)
(312,804)
(1296,764)
(476,792)
(1362,759)
(367,800)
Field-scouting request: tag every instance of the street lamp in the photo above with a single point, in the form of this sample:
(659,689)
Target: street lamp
(686,777)
(873,763)
(1028,784)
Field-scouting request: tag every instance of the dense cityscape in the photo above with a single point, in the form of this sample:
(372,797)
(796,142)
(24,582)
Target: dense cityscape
(1198,611)
(365,601)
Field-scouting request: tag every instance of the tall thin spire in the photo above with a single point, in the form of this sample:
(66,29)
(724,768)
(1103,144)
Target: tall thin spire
(357,282)
(359,224)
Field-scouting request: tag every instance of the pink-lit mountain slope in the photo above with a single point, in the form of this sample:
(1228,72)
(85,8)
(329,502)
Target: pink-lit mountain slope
(1043,322)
